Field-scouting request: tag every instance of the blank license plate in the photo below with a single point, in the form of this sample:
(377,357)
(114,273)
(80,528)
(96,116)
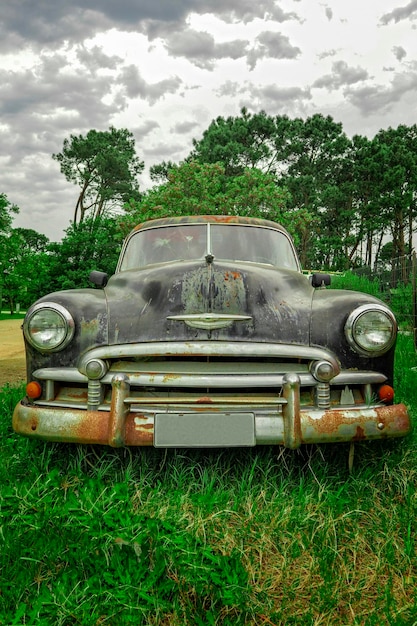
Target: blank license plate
(204,430)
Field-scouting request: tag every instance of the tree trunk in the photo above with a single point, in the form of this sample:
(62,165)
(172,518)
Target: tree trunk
(79,207)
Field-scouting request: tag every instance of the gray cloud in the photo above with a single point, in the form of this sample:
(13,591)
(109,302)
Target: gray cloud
(182,128)
(169,151)
(326,53)
(51,22)
(282,99)
(136,86)
(42,106)
(399,53)
(146,128)
(342,75)
(401,13)
(48,91)
(201,49)
(378,98)
(272,45)
(95,59)
(230,89)
(329,13)
(238,10)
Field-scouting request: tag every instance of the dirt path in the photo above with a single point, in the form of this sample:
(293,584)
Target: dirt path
(12,352)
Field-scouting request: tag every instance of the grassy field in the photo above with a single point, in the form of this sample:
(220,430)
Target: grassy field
(94,536)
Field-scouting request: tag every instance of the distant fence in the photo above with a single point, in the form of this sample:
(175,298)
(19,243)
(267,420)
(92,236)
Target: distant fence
(400,271)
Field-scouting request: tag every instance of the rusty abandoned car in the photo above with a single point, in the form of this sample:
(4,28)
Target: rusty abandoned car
(209,335)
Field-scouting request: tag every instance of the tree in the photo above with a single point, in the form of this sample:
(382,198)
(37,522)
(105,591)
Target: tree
(24,276)
(104,164)
(316,171)
(94,244)
(30,241)
(195,188)
(7,209)
(397,158)
(307,157)
(249,141)
(159,173)
(369,223)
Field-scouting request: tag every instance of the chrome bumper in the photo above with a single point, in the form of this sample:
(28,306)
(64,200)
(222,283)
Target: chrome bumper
(284,423)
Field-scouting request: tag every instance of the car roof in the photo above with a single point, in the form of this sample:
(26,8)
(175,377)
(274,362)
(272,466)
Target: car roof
(212,219)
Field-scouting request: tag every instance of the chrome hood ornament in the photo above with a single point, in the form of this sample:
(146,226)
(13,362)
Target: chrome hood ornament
(209,321)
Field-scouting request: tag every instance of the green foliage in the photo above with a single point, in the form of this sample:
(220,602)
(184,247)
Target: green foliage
(239,143)
(195,188)
(159,173)
(6,211)
(397,156)
(7,247)
(24,273)
(35,267)
(317,177)
(93,244)
(309,158)
(385,179)
(104,164)
(92,535)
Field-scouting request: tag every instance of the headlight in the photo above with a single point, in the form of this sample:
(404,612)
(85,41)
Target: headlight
(371,329)
(48,327)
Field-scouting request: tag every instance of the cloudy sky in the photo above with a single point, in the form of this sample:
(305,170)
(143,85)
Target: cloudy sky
(165,69)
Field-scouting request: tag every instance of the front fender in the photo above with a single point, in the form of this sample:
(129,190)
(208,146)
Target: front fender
(330,311)
(89,312)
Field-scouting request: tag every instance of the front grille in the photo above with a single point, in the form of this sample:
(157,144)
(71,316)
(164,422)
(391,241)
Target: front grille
(172,375)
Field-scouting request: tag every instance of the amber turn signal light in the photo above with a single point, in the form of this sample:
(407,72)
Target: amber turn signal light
(33,390)
(386,393)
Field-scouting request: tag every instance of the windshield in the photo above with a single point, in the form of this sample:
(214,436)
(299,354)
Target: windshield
(232,242)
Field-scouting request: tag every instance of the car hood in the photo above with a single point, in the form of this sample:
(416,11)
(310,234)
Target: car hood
(194,301)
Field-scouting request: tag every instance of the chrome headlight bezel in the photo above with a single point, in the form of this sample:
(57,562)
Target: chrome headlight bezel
(50,337)
(362,342)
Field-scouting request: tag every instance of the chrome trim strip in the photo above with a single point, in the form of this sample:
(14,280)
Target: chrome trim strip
(209,348)
(235,380)
(152,401)
(60,375)
(172,379)
(357,378)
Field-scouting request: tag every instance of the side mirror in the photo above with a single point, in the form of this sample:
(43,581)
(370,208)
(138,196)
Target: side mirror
(99,278)
(320,280)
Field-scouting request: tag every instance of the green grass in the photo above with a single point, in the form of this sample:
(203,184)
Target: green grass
(11,316)
(91,535)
